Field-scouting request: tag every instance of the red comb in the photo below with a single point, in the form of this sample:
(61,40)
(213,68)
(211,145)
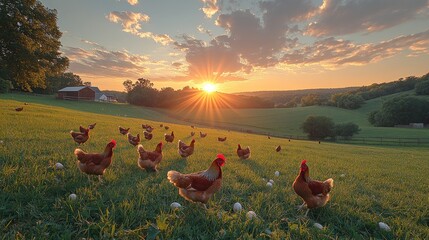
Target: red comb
(304,162)
(221,156)
(114,142)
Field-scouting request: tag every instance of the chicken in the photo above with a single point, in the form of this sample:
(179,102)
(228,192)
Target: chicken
(167,127)
(133,140)
(147,127)
(278,148)
(83,130)
(203,135)
(149,160)
(169,137)
(192,126)
(123,131)
(200,186)
(243,153)
(95,163)
(314,193)
(80,137)
(92,126)
(185,150)
(148,135)
(19,109)
(192,134)
(221,139)
(161,125)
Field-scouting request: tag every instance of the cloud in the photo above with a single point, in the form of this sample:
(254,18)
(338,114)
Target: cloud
(104,63)
(339,17)
(210,7)
(176,64)
(201,29)
(332,52)
(210,62)
(131,23)
(133,2)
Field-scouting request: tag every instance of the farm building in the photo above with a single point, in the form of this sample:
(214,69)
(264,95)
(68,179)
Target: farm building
(98,93)
(107,98)
(77,93)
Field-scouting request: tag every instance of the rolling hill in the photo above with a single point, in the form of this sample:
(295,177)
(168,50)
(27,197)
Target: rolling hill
(372,184)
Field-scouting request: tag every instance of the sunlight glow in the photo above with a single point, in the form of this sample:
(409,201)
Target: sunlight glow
(209,87)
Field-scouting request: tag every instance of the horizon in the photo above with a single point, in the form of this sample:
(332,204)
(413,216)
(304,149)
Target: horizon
(244,46)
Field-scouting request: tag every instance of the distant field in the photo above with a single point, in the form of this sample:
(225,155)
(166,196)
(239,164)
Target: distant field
(380,184)
(277,121)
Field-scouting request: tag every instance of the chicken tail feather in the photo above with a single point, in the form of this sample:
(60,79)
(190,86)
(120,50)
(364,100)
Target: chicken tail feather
(327,185)
(80,154)
(178,179)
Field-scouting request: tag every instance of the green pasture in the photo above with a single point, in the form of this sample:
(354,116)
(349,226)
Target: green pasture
(380,184)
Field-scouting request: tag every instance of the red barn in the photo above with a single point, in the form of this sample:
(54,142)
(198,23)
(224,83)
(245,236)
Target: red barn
(77,93)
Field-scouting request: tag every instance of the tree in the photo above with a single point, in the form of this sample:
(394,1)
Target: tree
(347,100)
(346,130)
(128,84)
(310,100)
(55,83)
(318,127)
(5,85)
(401,110)
(422,88)
(29,43)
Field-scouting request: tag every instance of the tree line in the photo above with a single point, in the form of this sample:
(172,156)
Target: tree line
(142,93)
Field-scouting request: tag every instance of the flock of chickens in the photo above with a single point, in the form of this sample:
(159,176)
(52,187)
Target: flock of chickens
(194,187)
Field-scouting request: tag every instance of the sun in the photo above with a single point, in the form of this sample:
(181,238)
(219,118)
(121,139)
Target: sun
(209,87)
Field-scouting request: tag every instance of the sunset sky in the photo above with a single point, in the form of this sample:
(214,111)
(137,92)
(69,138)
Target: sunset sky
(244,45)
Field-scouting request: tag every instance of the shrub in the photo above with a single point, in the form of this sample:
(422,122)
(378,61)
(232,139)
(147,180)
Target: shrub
(346,130)
(318,127)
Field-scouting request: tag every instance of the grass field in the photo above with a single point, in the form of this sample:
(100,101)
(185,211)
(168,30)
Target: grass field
(280,122)
(380,184)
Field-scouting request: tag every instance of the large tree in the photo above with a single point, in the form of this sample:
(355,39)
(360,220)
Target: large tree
(29,43)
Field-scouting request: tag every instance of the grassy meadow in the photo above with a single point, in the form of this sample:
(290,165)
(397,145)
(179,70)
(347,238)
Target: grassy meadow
(276,121)
(380,184)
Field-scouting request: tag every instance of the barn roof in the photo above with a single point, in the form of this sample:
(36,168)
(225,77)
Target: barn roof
(74,89)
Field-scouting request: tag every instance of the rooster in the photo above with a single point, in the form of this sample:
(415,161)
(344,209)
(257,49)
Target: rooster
(192,134)
(83,130)
(19,109)
(185,150)
(148,135)
(278,148)
(200,186)
(95,163)
(149,160)
(92,126)
(243,153)
(169,137)
(203,135)
(80,137)
(314,193)
(221,139)
(133,140)
(123,131)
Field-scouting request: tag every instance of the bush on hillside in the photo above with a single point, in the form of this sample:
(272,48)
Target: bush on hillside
(401,110)
(318,127)
(422,88)
(346,130)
